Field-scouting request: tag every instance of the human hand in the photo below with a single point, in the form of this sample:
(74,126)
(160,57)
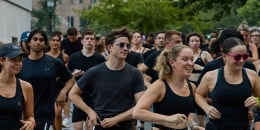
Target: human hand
(213,113)
(109,122)
(77,73)
(94,119)
(176,121)
(27,125)
(197,67)
(251,102)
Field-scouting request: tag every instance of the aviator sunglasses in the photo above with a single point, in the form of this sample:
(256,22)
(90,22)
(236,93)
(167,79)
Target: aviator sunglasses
(122,45)
(237,57)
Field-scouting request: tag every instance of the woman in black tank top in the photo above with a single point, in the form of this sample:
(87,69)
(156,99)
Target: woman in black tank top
(231,88)
(201,58)
(16,96)
(171,95)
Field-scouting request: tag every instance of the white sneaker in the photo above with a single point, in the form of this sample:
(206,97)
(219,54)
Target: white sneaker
(66,123)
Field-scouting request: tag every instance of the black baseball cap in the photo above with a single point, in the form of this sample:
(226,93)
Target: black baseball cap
(10,50)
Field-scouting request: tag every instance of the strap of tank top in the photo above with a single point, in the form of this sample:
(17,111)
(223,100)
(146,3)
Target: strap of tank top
(258,66)
(190,87)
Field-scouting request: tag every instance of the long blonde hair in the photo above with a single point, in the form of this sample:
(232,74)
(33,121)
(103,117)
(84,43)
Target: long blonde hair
(163,65)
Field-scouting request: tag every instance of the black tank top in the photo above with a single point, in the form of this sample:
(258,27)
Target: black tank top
(11,110)
(173,104)
(200,62)
(60,57)
(229,99)
(259,68)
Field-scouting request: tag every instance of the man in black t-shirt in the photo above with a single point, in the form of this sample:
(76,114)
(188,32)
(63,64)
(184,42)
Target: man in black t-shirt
(114,86)
(42,72)
(80,62)
(72,43)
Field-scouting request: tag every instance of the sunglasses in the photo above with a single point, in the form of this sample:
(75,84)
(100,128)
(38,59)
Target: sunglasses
(122,45)
(237,57)
(255,35)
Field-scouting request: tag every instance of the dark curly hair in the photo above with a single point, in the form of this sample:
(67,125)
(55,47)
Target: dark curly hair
(225,34)
(116,33)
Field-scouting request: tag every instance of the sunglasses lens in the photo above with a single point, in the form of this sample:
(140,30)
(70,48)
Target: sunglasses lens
(245,56)
(128,46)
(121,45)
(237,57)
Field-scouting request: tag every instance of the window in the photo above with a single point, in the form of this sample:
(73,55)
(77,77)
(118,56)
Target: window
(93,2)
(80,1)
(70,21)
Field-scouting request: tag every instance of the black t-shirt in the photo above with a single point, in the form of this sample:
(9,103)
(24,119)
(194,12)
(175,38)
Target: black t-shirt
(134,59)
(42,74)
(112,90)
(150,62)
(69,47)
(79,61)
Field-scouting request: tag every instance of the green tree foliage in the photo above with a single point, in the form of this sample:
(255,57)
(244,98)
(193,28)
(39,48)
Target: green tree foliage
(152,15)
(139,15)
(251,12)
(41,16)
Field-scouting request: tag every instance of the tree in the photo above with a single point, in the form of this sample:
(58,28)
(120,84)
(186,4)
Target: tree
(41,16)
(251,12)
(153,15)
(140,15)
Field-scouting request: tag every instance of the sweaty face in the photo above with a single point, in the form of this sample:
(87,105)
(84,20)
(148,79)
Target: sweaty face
(194,42)
(120,48)
(159,40)
(255,37)
(72,38)
(13,65)
(231,58)
(245,35)
(37,43)
(184,62)
(55,42)
(88,41)
(136,38)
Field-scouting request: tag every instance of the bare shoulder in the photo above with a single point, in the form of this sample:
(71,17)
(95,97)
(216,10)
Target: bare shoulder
(158,84)
(25,85)
(251,74)
(210,75)
(157,89)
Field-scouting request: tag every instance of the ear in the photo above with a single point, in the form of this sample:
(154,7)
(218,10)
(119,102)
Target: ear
(1,60)
(171,61)
(224,57)
(108,47)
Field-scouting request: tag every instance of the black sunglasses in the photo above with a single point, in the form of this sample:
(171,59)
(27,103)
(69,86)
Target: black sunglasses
(122,45)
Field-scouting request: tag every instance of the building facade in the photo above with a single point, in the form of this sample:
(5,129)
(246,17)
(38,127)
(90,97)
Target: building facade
(15,18)
(65,10)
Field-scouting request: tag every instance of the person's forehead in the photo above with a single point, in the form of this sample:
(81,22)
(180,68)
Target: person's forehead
(255,32)
(238,48)
(120,39)
(160,35)
(175,36)
(89,35)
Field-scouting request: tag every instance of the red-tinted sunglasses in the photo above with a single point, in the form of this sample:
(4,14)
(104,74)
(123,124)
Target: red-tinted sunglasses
(237,57)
